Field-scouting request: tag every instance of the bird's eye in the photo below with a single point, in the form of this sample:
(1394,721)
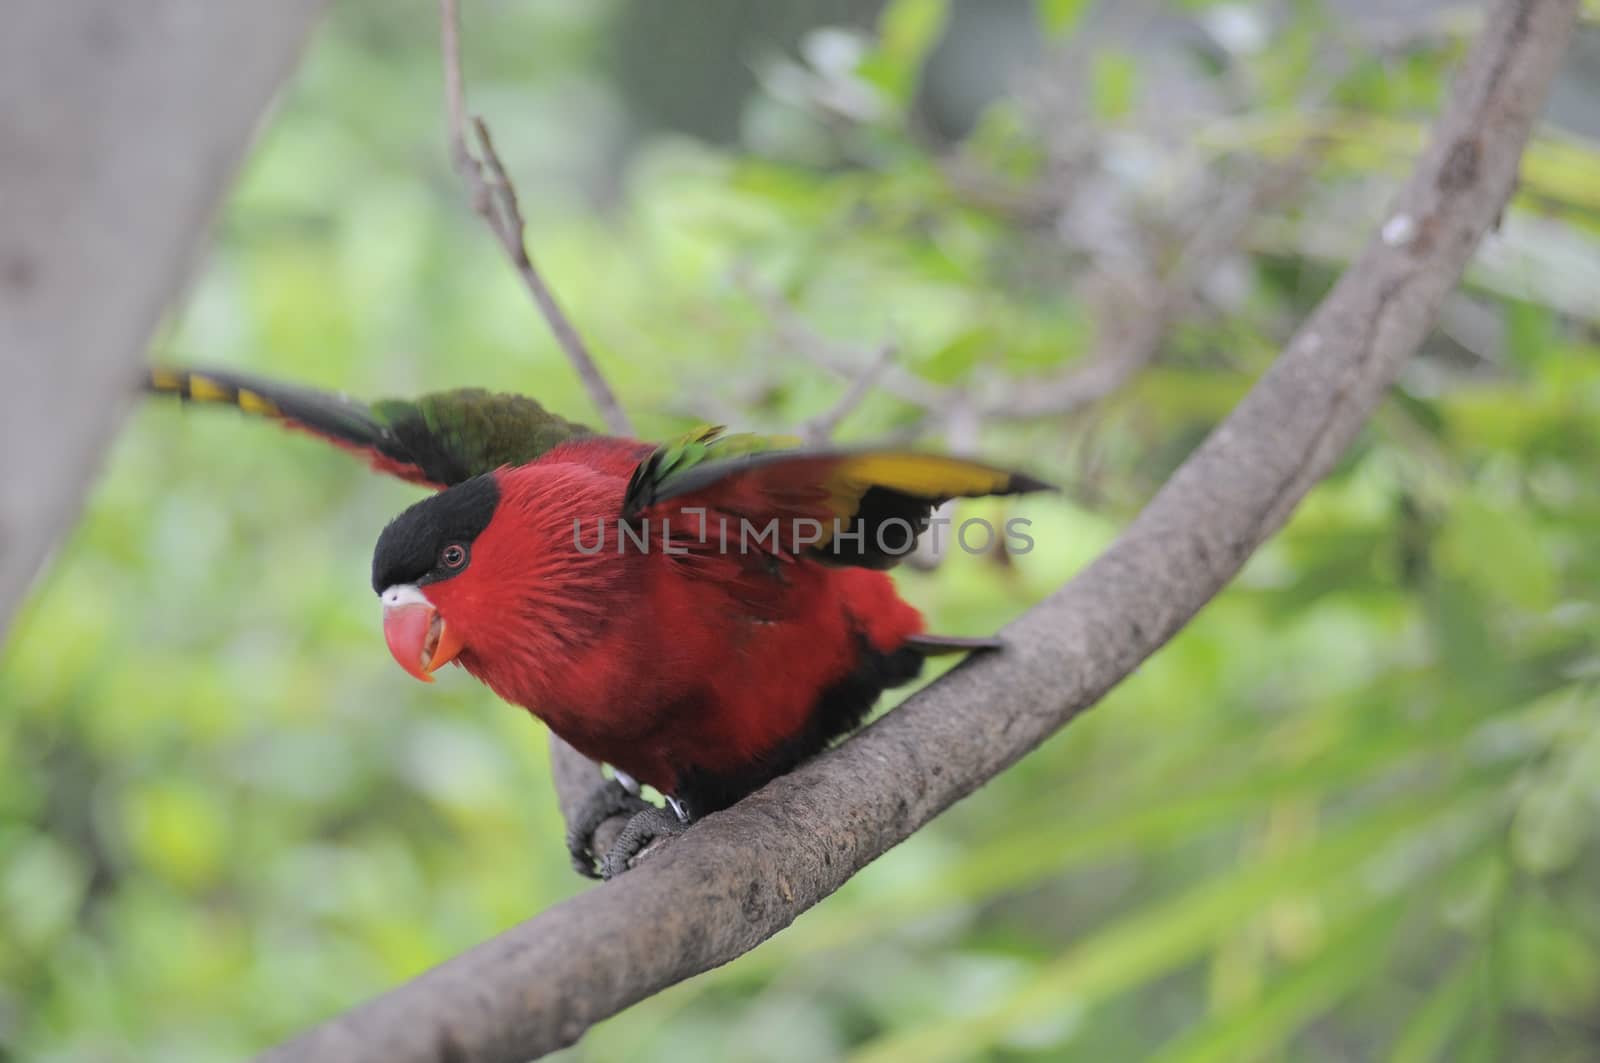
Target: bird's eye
(453,556)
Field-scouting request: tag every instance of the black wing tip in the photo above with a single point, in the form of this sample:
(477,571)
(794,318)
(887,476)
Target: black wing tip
(938,645)
(1023,484)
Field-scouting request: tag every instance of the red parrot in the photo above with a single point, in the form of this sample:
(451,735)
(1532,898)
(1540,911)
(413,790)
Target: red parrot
(701,615)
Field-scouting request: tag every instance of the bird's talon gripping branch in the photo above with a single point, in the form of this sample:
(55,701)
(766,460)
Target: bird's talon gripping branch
(644,832)
(610,798)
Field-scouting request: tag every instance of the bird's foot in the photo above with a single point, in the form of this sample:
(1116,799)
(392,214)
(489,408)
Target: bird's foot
(610,798)
(644,832)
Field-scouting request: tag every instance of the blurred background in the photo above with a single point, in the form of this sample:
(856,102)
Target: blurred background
(1349,813)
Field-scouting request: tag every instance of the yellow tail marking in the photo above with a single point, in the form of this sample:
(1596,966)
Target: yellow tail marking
(202,389)
(250,402)
(166,380)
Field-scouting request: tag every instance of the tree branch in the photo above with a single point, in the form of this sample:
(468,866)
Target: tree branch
(742,875)
(1159,303)
(1166,300)
(797,336)
(495,199)
(123,126)
(820,428)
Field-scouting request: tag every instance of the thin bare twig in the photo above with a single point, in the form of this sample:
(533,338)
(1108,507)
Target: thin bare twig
(820,428)
(1165,301)
(1161,303)
(495,199)
(796,335)
(743,874)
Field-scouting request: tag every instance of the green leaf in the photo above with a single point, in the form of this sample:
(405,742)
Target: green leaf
(1060,17)
(1114,84)
(1155,940)
(1434,1024)
(1037,851)
(1553,822)
(177,827)
(1294,999)
(42,882)
(1497,549)
(907,31)
(1549,966)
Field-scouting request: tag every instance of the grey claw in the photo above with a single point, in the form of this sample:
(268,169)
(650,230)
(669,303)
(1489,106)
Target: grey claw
(604,801)
(648,827)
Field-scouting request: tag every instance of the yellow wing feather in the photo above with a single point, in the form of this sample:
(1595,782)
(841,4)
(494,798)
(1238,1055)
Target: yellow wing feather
(922,475)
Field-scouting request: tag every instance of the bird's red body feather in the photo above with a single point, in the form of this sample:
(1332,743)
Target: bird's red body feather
(660,664)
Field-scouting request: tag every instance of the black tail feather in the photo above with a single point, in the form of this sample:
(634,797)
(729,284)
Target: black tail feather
(939,645)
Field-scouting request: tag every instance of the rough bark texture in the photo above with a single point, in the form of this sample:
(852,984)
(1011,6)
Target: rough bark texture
(120,126)
(742,875)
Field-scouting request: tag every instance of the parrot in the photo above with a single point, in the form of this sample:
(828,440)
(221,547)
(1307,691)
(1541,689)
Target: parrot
(701,615)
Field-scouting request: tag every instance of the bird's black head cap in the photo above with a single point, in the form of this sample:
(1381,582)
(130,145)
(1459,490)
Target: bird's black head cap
(409,549)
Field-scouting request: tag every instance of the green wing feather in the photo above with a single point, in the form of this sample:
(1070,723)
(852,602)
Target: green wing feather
(696,448)
(438,439)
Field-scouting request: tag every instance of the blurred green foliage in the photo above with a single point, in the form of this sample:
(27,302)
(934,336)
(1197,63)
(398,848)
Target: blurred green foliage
(1349,813)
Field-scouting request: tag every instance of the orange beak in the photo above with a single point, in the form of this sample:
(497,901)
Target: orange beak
(419,638)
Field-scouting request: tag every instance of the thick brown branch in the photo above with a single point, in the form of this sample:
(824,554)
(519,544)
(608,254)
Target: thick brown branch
(744,874)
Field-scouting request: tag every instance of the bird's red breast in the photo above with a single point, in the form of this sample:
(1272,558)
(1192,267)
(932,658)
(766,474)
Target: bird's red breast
(657,663)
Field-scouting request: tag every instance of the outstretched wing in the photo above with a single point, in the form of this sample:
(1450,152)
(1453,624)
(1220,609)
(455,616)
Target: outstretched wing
(438,439)
(864,507)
